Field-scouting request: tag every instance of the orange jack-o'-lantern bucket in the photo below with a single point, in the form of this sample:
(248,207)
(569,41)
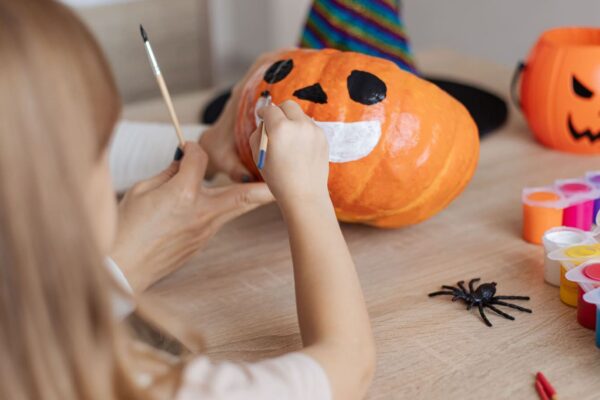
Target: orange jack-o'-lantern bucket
(560,89)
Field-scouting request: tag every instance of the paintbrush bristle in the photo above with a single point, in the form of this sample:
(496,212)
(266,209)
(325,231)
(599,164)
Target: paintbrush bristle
(144,34)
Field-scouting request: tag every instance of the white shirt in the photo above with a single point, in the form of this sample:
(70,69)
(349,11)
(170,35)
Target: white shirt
(293,376)
(141,150)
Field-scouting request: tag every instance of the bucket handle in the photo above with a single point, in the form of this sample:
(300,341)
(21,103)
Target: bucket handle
(521,67)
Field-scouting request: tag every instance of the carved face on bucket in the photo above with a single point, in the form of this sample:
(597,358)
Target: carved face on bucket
(583,119)
(348,141)
(560,90)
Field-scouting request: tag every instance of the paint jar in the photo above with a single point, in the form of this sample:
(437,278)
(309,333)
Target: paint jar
(580,195)
(542,210)
(571,257)
(586,312)
(557,238)
(569,291)
(593,297)
(587,276)
(593,178)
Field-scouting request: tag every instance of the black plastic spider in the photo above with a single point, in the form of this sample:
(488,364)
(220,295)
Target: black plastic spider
(482,297)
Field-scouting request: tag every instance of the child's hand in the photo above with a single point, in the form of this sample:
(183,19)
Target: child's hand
(297,161)
(164,220)
(219,141)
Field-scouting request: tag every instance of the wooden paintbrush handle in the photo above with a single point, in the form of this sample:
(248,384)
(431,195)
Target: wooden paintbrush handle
(167,97)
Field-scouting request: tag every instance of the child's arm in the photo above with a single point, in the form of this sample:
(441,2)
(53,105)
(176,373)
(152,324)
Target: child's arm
(331,310)
(333,318)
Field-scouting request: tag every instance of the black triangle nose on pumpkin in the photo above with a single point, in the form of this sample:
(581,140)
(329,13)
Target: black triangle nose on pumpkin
(314,93)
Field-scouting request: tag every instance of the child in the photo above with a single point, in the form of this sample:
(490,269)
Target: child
(59,337)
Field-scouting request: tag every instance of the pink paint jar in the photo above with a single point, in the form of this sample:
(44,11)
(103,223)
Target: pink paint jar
(580,196)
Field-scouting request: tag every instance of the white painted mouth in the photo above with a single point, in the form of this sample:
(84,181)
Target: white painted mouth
(348,141)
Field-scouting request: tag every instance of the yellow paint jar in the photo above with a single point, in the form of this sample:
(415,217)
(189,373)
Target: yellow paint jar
(569,291)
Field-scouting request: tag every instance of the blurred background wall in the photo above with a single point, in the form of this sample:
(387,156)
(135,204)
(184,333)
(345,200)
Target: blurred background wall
(211,42)
(502,31)
(180,37)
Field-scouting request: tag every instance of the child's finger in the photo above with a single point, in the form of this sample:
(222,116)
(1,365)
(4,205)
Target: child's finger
(272,116)
(238,172)
(237,199)
(193,165)
(230,164)
(292,110)
(157,180)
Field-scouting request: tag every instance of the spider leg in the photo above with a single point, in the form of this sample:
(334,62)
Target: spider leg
(485,319)
(441,292)
(461,285)
(511,297)
(460,296)
(500,312)
(471,283)
(451,288)
(516,307)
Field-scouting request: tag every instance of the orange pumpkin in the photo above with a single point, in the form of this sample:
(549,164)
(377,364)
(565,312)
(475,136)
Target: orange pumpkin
(401,149)
(560,90)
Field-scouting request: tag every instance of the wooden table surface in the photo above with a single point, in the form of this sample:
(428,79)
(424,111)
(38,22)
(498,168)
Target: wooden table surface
(239,292)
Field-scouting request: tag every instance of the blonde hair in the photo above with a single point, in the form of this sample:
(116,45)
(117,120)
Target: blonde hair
(59,102)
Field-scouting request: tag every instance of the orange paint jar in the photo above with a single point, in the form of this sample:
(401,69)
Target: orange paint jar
(542,210)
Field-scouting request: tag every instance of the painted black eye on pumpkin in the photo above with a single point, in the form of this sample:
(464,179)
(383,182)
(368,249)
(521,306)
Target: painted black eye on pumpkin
(580,89)
(278,71)
(365,88)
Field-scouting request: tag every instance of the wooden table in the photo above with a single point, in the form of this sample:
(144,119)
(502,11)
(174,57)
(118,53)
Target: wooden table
(238,292)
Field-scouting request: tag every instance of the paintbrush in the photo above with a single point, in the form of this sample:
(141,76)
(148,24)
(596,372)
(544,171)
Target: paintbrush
(165,92)
(264,138)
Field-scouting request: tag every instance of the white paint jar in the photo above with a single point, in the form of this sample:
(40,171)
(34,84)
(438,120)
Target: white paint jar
(557,238)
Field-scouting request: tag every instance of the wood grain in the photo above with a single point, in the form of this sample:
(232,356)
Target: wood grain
(239,292)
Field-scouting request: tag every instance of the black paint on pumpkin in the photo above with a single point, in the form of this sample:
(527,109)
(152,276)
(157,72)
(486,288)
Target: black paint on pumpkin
(278,71)
(365,88)
(314,93)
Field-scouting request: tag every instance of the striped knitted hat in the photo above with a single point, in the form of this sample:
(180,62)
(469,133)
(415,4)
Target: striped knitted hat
(371,27)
